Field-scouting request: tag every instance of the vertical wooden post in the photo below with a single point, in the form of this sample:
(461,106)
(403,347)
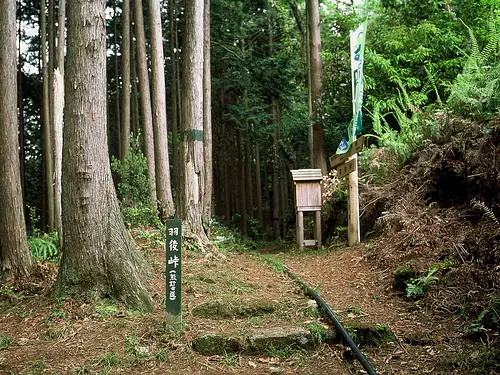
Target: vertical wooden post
(317,228)
(353,235)
(300,230)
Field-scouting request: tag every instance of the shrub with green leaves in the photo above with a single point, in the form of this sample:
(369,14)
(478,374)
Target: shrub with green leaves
(133,187)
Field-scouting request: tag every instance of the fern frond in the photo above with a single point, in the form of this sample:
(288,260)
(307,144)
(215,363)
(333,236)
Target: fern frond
(475,57)
(488,212)
(493,40)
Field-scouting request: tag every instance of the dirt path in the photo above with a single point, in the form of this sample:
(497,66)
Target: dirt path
(41,335)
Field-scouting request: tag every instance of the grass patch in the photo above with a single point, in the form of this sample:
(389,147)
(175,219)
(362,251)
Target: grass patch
(5,342)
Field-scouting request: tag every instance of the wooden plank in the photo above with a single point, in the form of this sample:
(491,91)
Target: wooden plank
(308,208)
(346,168)
(308,194)
(356,147)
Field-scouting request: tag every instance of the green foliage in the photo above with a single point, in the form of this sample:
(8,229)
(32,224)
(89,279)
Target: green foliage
(475,93)
(417,287)
(109,359)
(489,318)
(133,187)
(45,247)
(42,247)
(5,342)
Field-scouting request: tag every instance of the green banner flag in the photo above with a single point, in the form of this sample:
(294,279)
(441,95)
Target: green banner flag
(357,60)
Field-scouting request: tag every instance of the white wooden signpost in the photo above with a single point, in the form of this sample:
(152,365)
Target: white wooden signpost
(347,165)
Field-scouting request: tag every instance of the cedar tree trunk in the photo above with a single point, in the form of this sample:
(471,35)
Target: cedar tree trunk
(99,258)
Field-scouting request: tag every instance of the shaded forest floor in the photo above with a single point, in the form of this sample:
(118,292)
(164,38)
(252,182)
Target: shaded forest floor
(41,335)
(432,231)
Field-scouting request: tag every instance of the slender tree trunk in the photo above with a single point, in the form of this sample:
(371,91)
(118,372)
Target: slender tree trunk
(61,36)
(47,128)
(207,121)
(159,105)
(310,134)
(58,119)
(125,69)
(275,177)
(242,192)
(193,179)
(248,174)
(174,123)
(15,259)
(22,151)
(99,257)
(145,96)
(258,187)
(117,120)
(316,90)
(134,103)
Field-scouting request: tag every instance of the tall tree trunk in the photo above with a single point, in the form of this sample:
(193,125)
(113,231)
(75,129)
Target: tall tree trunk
(61,36)
(145,96)
(248,173)
(316,86)
(15,259)
(134,103)
(22,150)
(58,119)
(193,176)
(207,121)
(47,124)
(275,177)
(258,187)
(159,105)
(117,122)
(125,96)
(99,258)
(242,192)
(175,106)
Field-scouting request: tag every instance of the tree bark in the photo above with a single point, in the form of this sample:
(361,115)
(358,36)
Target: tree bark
(134,100)
(175,105)
(159,105)
(125,96)
(316,82)
(15,259)
(117,118)
(207,121)
(47,124)
(145,96)
(258,187)
(193,176)
(99,258)
(242,191)
(58,120)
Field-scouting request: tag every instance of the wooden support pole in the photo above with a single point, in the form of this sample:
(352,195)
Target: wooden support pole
(353,232)
(317,228)
(300,230)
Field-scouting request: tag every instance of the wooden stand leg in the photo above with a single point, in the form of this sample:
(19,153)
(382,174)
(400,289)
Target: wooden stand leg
(300,230)
(317,227)
(353,233)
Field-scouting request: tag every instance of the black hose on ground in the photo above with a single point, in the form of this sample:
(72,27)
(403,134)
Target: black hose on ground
(340,328)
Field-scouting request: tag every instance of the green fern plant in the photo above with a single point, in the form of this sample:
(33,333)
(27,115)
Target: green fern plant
(475,92)
(44,247)
(417,287)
